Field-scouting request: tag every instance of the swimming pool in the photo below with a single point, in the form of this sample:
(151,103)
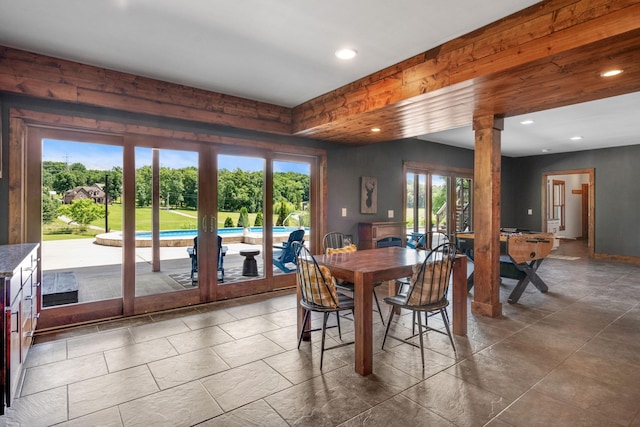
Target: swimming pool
(185,237)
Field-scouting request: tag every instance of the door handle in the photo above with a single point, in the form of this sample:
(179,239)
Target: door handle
(212,225)
(204,223)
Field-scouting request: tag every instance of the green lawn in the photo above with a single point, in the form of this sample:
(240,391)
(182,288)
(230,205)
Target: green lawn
(174,219)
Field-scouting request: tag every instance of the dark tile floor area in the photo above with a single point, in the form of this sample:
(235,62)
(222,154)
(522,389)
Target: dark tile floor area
(570,357)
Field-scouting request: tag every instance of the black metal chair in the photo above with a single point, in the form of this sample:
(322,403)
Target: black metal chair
(286,255)
(318,294)
(193,254)
(427,293)
(334,240)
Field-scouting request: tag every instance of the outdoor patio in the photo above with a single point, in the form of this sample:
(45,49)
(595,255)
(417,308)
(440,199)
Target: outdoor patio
(96,269)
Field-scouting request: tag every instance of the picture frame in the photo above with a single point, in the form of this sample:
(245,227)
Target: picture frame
(368,194)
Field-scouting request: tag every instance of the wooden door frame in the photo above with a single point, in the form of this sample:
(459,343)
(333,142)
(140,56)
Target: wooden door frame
(591,209)
(28,123)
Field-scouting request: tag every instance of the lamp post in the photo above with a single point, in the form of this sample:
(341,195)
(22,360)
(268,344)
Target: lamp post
(106,202)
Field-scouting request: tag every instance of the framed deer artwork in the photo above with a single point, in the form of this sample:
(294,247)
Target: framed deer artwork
(368,195)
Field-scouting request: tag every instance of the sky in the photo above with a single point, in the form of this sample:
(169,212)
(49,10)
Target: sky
(105,157)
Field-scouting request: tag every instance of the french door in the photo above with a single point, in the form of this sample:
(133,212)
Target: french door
(437,199)
(157,245)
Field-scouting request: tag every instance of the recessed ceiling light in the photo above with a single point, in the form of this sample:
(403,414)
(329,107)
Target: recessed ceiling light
(526,122)
(610,73)
(546,150)
(375,129)
(347,53)
(576,138)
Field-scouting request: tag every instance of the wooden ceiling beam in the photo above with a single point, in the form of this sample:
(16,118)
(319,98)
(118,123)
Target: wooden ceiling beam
(533,60)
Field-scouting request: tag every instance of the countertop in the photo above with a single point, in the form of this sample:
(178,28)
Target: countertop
(12,255)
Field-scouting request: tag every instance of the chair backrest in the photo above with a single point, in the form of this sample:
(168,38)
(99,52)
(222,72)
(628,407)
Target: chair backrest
(316,283)
(433,239)
(333,240)
(431,278)
(195,247)
(288,252)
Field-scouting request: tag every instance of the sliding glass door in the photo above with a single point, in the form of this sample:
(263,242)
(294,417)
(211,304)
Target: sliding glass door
(437,199)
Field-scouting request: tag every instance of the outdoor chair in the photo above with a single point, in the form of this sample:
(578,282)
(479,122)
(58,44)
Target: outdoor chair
(427,293)
(193,254)
(286,254)
(318,294)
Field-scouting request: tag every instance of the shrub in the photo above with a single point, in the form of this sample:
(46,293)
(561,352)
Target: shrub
(228,222)
(259,221)
(243,220)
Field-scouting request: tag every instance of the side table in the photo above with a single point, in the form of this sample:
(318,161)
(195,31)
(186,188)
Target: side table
(250,266)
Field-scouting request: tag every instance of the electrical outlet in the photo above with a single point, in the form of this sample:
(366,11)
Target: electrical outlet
(390,213)
(344,211)
(530,212)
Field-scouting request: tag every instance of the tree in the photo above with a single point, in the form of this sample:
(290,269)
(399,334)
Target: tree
(243,220)
(259,221)
(50,207)
(282,213)
(83,211)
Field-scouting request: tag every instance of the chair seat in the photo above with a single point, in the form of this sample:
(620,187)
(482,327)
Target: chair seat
(401,299)
(344,303)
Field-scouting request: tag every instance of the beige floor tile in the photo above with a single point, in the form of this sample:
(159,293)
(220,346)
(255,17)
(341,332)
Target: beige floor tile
(49,352)
(247,327)
(186,367)
(312,403)
(109,390)
(199,338)
(460,402)
(537,409)
(109,417)
(210,318)
(138,354)
(286,337)
(156,330)
(298,365)
(185,405)
(65,372)
(247,350)
(96,343)
(397,411)
(256,414)
(245,384)
(40,409)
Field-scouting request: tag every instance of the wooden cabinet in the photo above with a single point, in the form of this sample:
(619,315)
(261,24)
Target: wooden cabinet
(369,233)
(19,281)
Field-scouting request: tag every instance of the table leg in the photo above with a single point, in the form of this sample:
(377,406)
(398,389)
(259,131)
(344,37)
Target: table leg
(363,291)
(460,295)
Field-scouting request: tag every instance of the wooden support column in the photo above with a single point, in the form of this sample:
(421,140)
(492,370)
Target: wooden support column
(486,216)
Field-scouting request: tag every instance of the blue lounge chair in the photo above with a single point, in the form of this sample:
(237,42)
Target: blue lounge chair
(286,253)
(193,254)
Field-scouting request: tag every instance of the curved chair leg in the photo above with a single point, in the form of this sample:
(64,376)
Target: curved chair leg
(421,339)
(386,331)
(375,298)
(445,320)
(306,318)
(324,332)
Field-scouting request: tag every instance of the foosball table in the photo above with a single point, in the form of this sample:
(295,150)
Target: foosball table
(521,253)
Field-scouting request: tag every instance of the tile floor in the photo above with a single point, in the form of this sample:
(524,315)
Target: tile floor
(570,357)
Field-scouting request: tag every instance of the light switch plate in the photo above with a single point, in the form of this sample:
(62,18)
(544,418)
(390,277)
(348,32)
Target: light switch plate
(390,213)
(344,211)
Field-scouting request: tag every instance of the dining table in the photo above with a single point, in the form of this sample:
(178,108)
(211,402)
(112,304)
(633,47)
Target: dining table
(364,268)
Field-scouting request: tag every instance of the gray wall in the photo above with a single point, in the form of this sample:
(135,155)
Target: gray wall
(617,194)
(384,161)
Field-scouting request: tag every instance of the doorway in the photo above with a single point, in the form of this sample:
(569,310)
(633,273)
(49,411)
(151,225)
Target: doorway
(567,204)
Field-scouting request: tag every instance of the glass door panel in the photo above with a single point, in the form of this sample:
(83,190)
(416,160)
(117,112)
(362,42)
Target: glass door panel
(240,218)
(291,211)
(166,217)
(439,203)
(81,222)
(464,206)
